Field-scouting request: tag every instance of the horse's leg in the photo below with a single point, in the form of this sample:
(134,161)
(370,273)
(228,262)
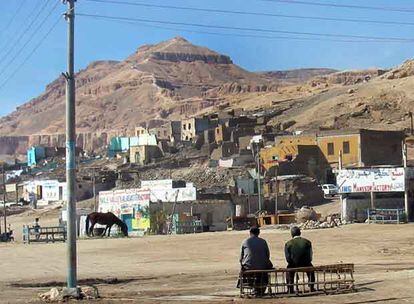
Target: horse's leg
(106,229)
(109,232)
(91,229)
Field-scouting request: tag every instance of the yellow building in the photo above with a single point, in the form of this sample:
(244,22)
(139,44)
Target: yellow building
(359,148)
(349,143)
(285,147)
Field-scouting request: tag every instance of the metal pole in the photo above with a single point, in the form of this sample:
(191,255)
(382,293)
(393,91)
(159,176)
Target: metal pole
(258,178)
(406,185)
(95,207)
(411,123)
(4,200)
(70,151)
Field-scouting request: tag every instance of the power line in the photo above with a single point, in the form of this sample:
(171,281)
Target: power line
(261,30)
(221,11)
(44,37)
(25,31)
(350,6)
(241,35)
(14,16)
(30,39)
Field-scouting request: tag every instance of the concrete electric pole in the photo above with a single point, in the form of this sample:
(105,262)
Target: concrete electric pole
(70,151)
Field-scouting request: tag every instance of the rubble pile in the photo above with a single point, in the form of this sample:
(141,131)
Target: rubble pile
(330,223)
(65,294)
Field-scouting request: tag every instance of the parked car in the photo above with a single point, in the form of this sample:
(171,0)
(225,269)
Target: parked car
(329,190)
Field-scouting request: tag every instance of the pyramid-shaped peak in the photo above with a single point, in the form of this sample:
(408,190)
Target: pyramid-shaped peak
(179,39)
(179,49)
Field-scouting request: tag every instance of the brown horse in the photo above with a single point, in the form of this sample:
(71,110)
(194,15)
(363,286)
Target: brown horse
(109,219)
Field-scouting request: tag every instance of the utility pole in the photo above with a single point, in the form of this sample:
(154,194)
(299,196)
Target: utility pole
(277,189)
(4,200)
(95,205)
(406,200)
(258,178)
(70,152)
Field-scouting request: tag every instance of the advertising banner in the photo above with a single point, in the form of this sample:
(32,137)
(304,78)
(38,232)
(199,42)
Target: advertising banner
(173,195)
(371,180)
(130,205)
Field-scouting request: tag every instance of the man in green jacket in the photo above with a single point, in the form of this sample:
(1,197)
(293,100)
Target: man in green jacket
(298,253)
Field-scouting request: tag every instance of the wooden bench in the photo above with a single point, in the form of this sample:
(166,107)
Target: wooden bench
(44,234)
(329,279)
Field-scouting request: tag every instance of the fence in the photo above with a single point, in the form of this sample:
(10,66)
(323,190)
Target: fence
(386,216)
(44,234)
(284,282)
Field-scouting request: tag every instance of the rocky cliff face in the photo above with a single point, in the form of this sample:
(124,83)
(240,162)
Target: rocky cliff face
(113,95)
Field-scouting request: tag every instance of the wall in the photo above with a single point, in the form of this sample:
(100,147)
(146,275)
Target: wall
(11,145)
(348,159)
(381,147)
(355,209)
(144,154)
(212,212)
(188,129)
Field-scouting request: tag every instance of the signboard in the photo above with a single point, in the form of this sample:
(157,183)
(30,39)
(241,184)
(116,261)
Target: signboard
(173,195)
(160,183)
(371,180)
(11,188)
(130,205)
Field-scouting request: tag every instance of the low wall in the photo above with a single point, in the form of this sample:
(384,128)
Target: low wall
(355,209)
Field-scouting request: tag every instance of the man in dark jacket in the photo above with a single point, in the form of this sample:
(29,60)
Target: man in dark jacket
(255,255)
(298,253)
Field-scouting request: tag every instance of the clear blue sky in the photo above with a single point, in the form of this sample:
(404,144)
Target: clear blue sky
(97,40)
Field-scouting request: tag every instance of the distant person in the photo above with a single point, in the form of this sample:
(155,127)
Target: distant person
(36,228)
(298,252)
(255,255)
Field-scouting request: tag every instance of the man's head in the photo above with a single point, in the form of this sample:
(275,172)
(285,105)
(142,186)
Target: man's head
(295,231)
(254,231)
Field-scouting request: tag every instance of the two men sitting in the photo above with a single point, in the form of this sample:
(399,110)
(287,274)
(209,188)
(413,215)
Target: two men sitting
(255,255)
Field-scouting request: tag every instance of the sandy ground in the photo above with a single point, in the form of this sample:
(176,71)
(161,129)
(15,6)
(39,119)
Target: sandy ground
(203,268)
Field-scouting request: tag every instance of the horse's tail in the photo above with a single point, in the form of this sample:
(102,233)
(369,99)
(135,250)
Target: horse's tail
(87,225)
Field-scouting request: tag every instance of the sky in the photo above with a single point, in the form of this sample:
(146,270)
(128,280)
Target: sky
(23,77)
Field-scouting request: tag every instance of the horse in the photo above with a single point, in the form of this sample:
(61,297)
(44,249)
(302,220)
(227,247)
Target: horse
(109,219)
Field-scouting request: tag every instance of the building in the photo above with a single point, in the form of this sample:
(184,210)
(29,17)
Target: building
(140,131)
(193,126)
(381,188)
(222,133)
(226,149)
(170,131)
(35,154)
(123,144)
(359,148)
(143,155)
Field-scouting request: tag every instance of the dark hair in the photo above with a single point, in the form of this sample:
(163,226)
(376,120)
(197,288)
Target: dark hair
(295,231)
(255,231)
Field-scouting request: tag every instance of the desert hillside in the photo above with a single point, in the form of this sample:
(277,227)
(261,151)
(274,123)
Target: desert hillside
(176,79)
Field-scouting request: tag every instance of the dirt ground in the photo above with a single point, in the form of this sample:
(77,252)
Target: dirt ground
(203,268)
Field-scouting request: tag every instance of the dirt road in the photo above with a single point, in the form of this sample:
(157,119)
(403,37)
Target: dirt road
(203,267)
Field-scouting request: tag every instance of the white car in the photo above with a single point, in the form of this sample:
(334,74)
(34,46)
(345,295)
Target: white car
(329,190)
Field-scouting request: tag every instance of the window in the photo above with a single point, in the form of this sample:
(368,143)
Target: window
(189,126)
(331,149)
(165,132)
(184,127)
(345,147)
(218,130)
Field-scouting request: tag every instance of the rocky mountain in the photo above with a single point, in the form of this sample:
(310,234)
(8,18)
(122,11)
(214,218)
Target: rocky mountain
(297,76)
(176,79)
(170,79)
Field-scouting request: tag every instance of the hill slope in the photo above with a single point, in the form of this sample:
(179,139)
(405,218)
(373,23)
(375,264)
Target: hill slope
(158,80)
